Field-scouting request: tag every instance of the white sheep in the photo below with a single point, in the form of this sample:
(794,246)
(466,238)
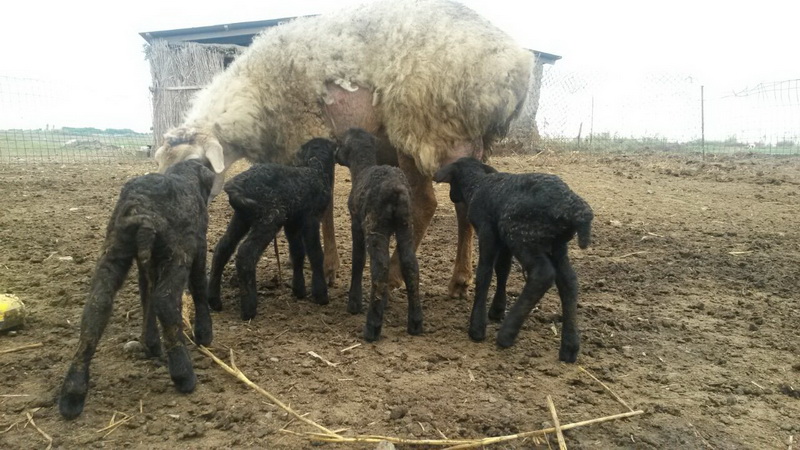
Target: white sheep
(431,78)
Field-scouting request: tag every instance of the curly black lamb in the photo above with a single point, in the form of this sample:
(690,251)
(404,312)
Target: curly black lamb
(531,217)
(266,198)
(161,222)
(380,206)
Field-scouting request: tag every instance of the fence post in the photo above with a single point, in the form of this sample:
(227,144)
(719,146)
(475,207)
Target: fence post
(703,121)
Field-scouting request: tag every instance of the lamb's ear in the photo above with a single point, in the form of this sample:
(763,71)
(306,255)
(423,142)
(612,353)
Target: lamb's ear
(444,175)
(489,169)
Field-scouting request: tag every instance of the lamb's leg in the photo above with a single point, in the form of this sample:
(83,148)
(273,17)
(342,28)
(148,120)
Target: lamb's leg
(410,269)
(313,246)
(502,267)
(423,206)
(151,340)
(567,284)
(237,229)
(462,269)
(246,260)
(354,300)
(167,293)
(198,287)
(378,248)
(540,278)
(107,280)
(487,249)
(329,239)
(297,255)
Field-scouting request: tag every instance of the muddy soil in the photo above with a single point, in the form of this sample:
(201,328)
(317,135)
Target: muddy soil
(688,309)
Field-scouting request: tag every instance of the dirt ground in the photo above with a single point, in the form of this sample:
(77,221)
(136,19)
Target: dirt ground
(688,309)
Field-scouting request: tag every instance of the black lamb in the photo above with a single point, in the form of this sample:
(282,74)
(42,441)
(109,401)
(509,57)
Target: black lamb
(161,222)
(380,206)
(531,217)
(265,198)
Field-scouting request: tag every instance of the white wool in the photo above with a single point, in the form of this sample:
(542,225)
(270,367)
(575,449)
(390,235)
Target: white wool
(439,75)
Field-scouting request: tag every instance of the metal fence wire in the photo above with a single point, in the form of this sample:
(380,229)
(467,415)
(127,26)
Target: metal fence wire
(601,111)
(30,113)
(578,110)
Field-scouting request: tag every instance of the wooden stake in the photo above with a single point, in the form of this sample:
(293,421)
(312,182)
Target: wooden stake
(617,397)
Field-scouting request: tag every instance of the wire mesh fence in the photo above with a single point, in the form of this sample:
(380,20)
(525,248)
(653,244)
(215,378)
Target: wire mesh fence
(30,111)
(577,110)
(618,112)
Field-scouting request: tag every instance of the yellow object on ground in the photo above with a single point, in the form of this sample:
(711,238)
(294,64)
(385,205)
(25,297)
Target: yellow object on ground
(12,312)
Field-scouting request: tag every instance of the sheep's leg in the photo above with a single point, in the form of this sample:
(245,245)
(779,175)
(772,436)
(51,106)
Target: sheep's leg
(487,249)
(246,260)
(378,248)
(150,336)
(237,229)
(354,300)
(198,287)
(329,239)
(567,284)
(502,267)
(313,246)
(297,255)
(167,302)
(540,278)
(107,280)
(423,201)
(462,269)
(410,269)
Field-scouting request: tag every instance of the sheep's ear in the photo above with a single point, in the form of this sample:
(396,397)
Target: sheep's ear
(215,155)
(444,175)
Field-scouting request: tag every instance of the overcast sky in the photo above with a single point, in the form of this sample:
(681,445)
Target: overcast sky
(94,47)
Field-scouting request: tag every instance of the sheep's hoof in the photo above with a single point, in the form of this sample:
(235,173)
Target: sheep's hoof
(457,288)
(504,340)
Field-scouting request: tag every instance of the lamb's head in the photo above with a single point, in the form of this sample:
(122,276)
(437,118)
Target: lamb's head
(460,174)
(358,145)
(318,153)
(195,170)
(184,143)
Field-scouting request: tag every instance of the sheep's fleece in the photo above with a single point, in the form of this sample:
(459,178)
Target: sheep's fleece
(438,74)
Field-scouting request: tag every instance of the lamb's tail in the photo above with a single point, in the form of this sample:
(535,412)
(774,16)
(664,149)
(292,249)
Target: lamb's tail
(400,200)
(142,227)
(584,233)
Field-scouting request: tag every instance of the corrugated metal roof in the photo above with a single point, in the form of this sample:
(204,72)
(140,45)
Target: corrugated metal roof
(242,33)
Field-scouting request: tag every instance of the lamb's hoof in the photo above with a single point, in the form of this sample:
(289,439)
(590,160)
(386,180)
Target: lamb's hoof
(457,288)
(415,328)
(71,405)
(372,333)
(203,336)
(185,383)
(505,340)
(354,307)
(215,303)
(497,316)
(322,300)
(477,335)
